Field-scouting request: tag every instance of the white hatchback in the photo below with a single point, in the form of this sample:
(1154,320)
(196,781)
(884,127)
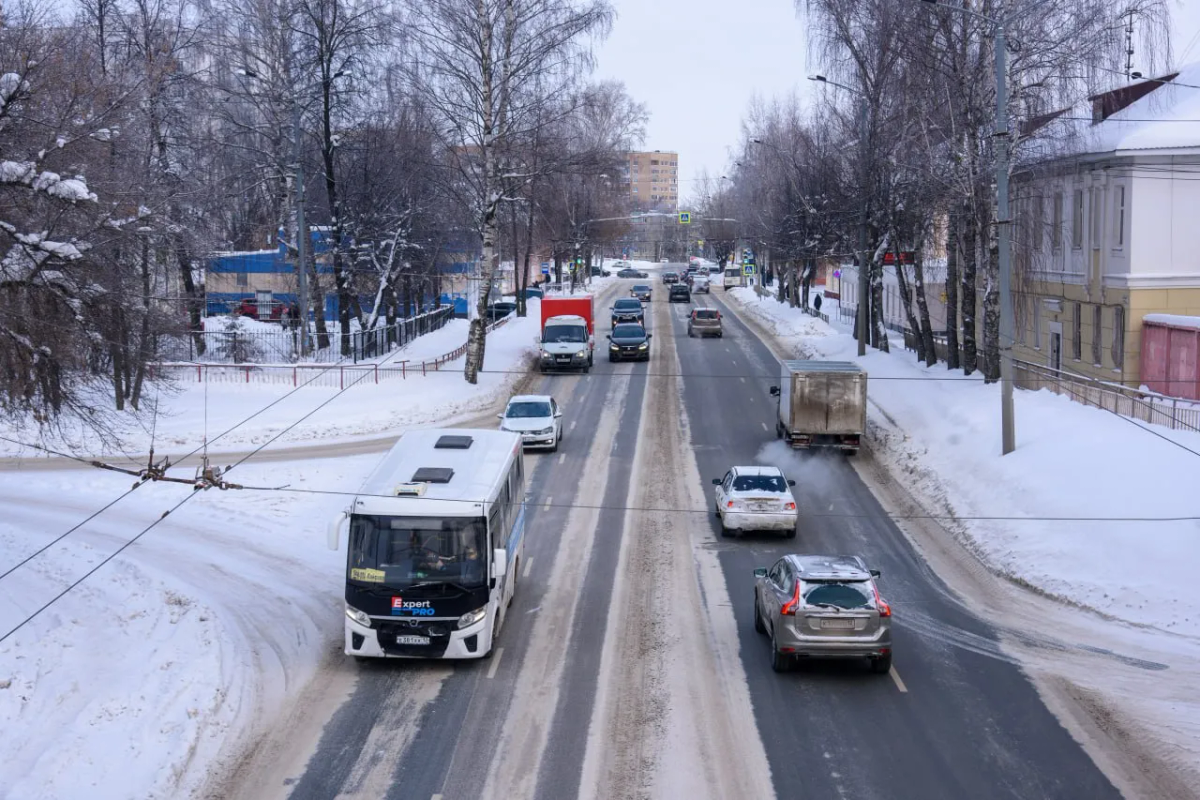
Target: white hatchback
(537,417)
(755,499)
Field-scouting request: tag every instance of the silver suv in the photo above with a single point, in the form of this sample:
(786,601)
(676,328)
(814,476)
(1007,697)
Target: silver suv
(822,607)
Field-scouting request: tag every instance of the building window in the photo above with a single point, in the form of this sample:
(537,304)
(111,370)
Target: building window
(242,278)
(1077,333)
(1095,194)
(1118,338)
(1097,333)
(1039,221)
(1077,219)
(1119,217)
(1036,311)
(1056,227)
(1020,320)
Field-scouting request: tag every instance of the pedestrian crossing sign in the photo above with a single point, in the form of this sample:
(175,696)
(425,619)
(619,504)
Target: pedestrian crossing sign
(685,218)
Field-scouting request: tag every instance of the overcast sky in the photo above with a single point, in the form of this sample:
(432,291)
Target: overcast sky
(697,63)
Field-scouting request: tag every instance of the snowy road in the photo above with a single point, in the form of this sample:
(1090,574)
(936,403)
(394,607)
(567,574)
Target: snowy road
(631,667)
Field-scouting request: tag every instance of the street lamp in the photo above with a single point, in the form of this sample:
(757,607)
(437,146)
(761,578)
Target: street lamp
(863,130)
(1003,231)
(301,227)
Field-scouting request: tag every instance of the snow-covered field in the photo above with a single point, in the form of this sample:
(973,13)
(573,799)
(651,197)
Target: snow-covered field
(151,674)
(943,431)
(189,410)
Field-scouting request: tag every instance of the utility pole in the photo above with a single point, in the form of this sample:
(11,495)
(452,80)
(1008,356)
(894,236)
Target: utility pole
(863,285)
(301,235)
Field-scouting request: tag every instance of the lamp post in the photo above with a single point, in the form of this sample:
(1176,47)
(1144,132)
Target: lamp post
(301,226)
(1003,223)
(863,289)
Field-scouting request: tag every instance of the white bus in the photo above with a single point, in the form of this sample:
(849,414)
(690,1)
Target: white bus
(733,277)
(436,536)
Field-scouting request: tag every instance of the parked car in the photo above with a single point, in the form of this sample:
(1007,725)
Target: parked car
(500,310)
(816,606)
(629,272)
(705,322)
(629,342)
(532,292)
(755,499)
(537,417)
(273,311)
(665,261)
(628,309)
(679,293)
(670,277)
(641,291)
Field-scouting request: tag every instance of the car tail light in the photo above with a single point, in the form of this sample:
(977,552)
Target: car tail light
(885,610)
(789,506)
(729,504)
(789,608)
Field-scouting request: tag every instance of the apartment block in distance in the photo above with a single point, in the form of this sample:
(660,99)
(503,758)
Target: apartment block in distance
(653,180)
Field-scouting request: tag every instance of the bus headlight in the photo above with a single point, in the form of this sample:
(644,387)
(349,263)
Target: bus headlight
(358,616)
(471,617)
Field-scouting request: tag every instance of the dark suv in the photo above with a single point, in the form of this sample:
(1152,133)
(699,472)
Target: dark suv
(628,309)
(679,293)
(629,342)
(670,278)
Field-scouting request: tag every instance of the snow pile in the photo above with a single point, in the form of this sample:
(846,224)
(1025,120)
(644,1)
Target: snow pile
(942,432)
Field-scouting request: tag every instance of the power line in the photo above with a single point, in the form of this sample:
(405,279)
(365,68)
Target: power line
(706,511)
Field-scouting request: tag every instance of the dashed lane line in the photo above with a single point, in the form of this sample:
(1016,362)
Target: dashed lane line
(562,457)
(546,505)
(895,679)
(528,566)
(764,425)
(495,662)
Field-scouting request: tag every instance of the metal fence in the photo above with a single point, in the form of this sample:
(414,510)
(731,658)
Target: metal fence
(235,345)
(339,375)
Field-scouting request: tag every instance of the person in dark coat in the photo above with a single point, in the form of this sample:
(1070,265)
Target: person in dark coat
(817,303)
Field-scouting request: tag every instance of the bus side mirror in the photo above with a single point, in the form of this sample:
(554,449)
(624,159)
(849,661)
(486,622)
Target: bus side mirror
(334,532)
(499,563)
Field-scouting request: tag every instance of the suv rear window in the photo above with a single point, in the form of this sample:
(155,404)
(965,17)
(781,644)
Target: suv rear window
(704,313)
(850,594)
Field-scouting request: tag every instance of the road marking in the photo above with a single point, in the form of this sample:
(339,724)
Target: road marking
(743,380)
(436,797)
(572,426)
(764,426)
(495,662)
(562,458)
(895,679)
(528,566)
(546,505)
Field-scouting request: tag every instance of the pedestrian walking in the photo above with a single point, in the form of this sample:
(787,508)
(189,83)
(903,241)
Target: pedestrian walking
(817,303)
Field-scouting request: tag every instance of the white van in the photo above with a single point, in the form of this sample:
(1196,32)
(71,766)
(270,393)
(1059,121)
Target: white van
(733,277)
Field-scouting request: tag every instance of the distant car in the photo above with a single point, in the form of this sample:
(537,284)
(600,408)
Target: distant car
(629,272)
(679,293)
(705,322)
(537,417)
(629,342)
(665,261)
(597,272)
(272,311)
(670,277)
(500,310)
(815,606)
(700,283)
(755,499)
(532,292)
(628,309)
(641,291)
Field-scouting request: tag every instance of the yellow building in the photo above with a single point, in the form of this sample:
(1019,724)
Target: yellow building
(652,180)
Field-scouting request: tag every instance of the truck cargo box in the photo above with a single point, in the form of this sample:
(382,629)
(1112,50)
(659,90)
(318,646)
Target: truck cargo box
(822,403)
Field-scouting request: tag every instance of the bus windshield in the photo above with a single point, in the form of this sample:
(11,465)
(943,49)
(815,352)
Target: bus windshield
(410,550)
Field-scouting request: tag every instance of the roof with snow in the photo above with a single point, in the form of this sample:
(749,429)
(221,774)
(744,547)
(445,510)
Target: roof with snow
(1161,113)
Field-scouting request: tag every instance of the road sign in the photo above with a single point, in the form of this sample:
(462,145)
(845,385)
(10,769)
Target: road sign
(699,243)
(685,218)
(748,269)
(545,269)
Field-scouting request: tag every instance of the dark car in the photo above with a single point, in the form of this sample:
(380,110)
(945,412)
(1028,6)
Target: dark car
(679,293)
(705,322)
(629,272)
(670,277)
(497,311)
(641,291)
(629,342)
(628,309)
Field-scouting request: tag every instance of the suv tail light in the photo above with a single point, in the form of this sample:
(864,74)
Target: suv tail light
(789,608)
(885,610)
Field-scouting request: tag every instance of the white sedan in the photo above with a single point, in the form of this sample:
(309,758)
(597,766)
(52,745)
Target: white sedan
(755,499)
(537,417)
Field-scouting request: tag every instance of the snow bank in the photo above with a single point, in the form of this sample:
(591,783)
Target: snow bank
(191,411)
(942,431)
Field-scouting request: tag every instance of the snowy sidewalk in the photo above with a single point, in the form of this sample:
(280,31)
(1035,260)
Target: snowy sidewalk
(1021,513)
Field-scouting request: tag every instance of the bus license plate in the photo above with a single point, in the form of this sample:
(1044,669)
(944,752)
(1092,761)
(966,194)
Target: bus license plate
(412,640)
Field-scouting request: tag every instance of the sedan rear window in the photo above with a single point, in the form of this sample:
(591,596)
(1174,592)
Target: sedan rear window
(759,483)
(851,594)
(704,313)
